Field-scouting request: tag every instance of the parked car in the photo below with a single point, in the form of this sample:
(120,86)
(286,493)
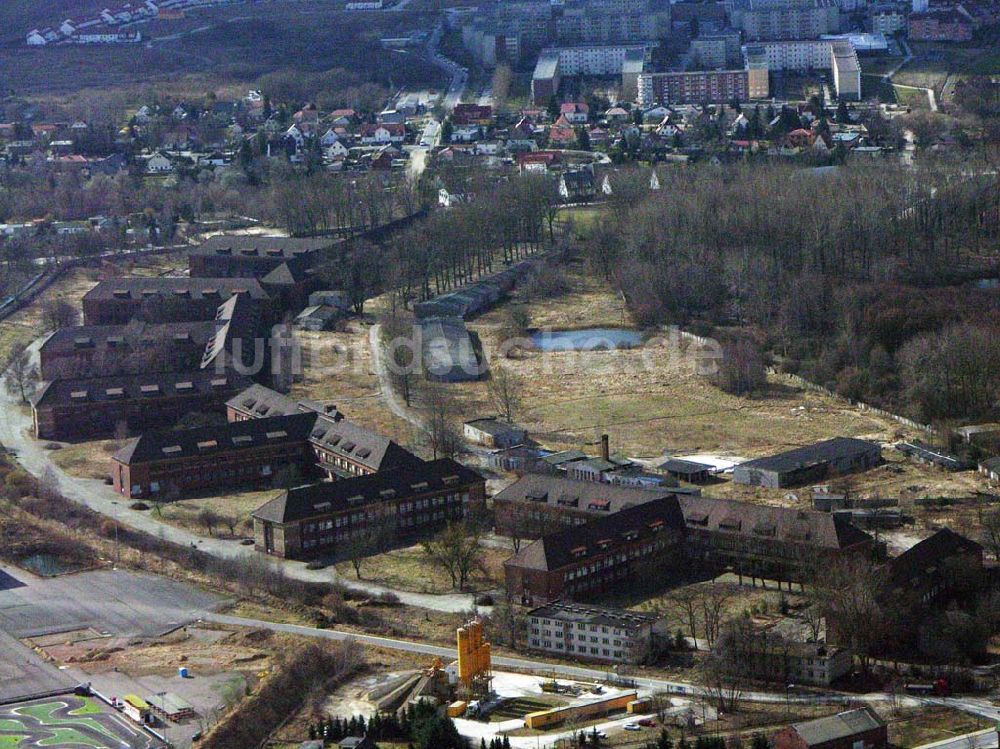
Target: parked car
(633,727)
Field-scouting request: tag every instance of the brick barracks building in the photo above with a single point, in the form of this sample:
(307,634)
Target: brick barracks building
(246,453)
(585,560)
(250,256)
(322,518)
(343,448)
(581,560)
(164,300)
(98,407)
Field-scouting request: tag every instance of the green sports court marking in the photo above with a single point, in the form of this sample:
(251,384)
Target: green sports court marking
(67,723)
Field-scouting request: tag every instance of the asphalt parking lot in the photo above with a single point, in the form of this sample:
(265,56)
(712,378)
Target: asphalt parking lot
(24,673)
(112,602)
(115,602)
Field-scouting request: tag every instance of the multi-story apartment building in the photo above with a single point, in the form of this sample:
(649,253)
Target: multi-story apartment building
(590,632)
(324,518)
(886,19)
(784,19)
(940,26)
(582,25)
(584,60)
(837,56)
(717,51)
(694,87)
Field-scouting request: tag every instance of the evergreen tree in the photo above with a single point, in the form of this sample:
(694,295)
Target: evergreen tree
(760,742)
(664,742)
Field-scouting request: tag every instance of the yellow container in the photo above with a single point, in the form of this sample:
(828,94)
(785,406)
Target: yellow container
(457,709)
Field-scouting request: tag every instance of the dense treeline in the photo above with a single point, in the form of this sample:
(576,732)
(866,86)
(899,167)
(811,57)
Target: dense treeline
(845,275)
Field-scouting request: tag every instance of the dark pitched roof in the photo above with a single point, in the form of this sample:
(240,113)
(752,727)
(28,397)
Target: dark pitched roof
(288,273)
(361,445)
(135,336)
(840,726)
(133,387)
(675,465)
(924,557)
(587,496)
(263,403)
(249,245)
(600,536)
(238,435)
(317,500)
(816,529)
(139,288)
(821,452)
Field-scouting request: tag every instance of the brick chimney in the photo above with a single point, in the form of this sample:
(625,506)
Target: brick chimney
(605,448)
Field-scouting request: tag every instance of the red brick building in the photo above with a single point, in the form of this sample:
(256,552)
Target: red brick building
(324,518)
(250,256)
(343,448)
(100,407)
(164,300)
(583,561)
(105,350)
(853,729)
(246,453)
(940,26)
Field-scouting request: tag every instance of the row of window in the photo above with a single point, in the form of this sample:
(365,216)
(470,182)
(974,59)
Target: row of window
(587,650)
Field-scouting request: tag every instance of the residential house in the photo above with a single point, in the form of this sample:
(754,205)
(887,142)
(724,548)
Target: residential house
(575,113)
(382,133)
(576,185)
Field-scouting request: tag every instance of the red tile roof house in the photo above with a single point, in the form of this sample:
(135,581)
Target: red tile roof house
(854,729)
(377,134)
(245,453)
(945,25)
(576,113)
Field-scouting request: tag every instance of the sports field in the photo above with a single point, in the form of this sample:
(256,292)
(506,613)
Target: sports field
(68,723)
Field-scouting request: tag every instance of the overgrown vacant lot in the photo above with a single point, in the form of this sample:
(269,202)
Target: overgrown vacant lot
(914,727)
(649,400)
(25,325)
(338,370)
(412,570)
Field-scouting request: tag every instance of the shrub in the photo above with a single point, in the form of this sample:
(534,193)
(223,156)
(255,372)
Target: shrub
(138,506)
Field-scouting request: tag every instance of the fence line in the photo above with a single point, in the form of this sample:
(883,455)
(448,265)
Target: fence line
(860,405)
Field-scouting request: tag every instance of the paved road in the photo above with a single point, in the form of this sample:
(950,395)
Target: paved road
(986,739)
(15,431)
(24,673)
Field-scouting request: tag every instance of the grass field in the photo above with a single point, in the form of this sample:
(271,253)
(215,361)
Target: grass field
(411,569)
(915,98)
(912,728)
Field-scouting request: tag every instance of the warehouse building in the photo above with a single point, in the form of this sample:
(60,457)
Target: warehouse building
(802,465)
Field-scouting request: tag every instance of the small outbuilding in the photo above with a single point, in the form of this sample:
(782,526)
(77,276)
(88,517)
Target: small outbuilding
(990,468)
(853,729)
(319,317)
(492,432)
(686,470)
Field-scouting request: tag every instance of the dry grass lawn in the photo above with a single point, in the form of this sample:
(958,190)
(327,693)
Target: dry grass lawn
(411,569)
(91,460)
(26,324)
(915,727)
(338,370)
(184,512)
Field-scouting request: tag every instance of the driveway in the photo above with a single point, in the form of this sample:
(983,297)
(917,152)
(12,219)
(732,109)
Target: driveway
(15,434)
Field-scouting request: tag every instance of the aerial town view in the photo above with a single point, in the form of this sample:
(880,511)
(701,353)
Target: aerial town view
(478,374)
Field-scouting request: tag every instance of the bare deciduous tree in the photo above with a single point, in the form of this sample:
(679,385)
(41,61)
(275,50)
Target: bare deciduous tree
(505,388)
(21,374)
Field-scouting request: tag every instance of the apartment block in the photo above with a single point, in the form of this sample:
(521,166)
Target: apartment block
(590,632)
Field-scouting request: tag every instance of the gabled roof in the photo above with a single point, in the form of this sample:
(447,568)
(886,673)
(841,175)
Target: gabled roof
(840,726)
(534,488)
(264,403)
(600,536)
(138,288)
(251,245)
(317,500)
(233,436)
(151,386)
(133,337)
(838,447)
(360,445)
(926,557)
(815,529)
(288,273)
